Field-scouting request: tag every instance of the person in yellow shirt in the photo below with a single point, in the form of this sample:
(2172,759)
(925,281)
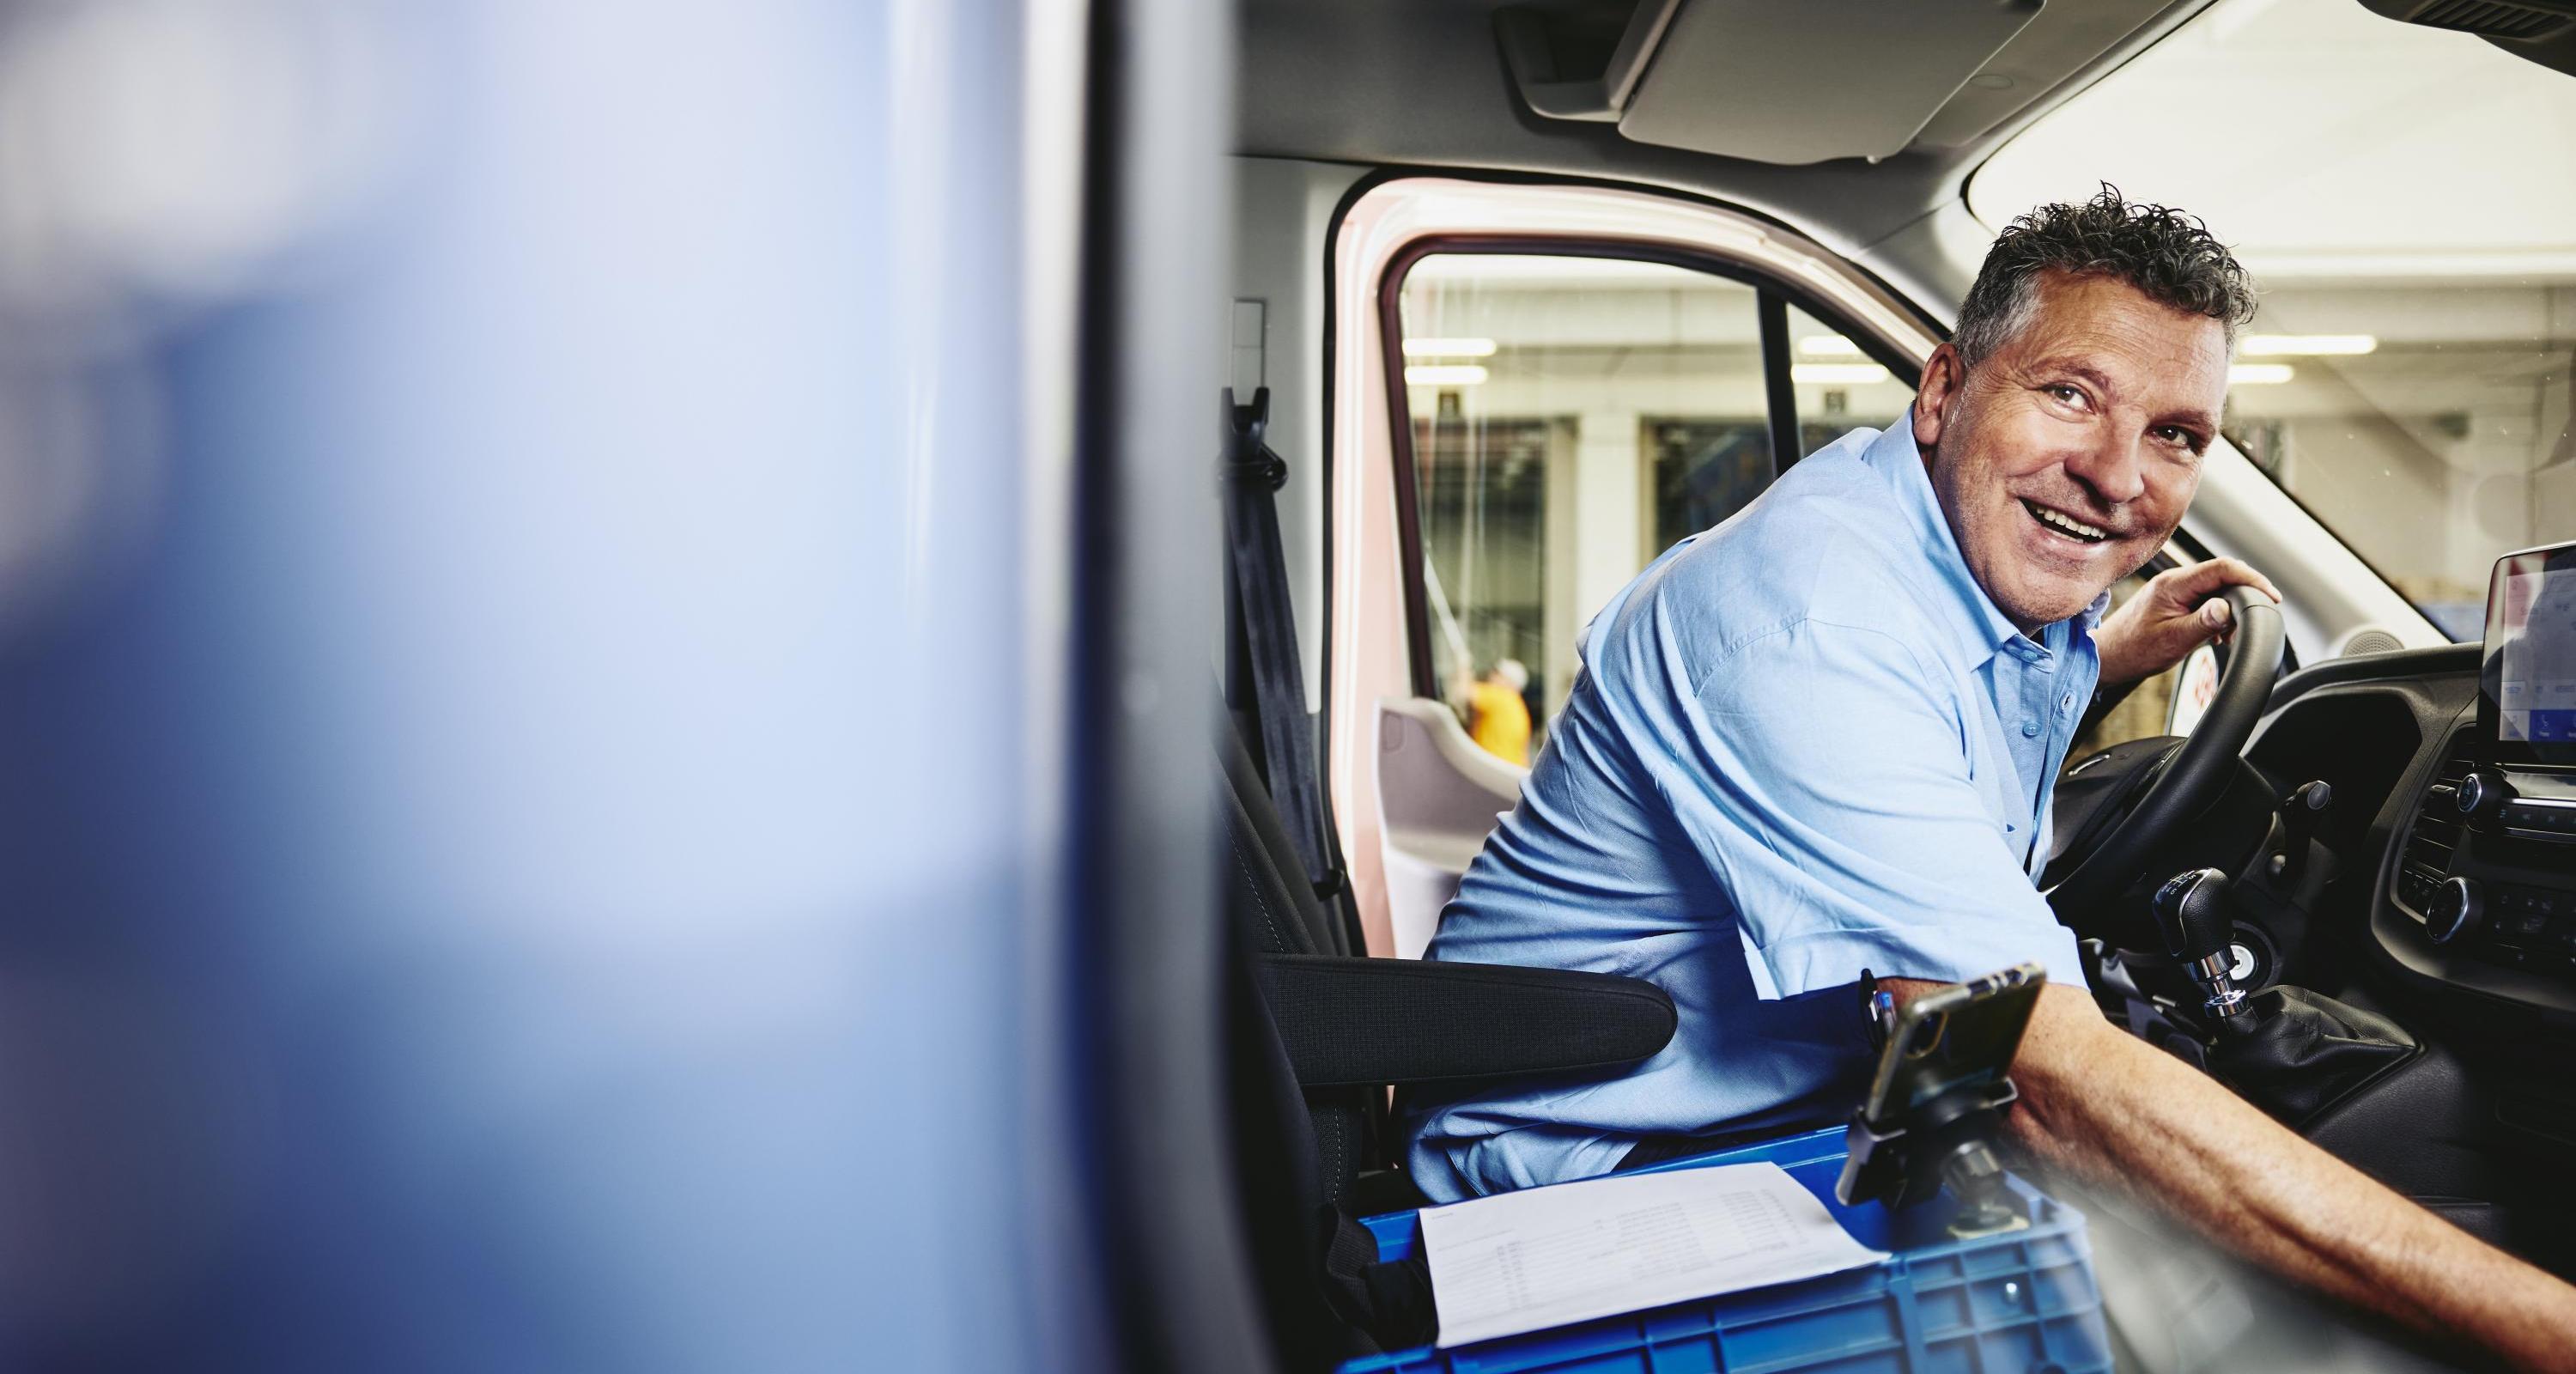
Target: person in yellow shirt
(1498,716)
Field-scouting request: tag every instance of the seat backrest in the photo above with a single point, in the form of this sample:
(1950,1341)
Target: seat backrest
(1277,884)
(1297,1151)
(1315,1034)
(1274,911)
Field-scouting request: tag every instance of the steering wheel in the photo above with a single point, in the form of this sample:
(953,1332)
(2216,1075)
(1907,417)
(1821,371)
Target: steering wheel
(2191,778)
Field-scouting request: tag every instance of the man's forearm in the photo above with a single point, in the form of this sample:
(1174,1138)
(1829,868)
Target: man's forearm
(2107,1107)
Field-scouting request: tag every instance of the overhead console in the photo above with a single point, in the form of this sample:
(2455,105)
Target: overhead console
(2487,866)
(1748,78)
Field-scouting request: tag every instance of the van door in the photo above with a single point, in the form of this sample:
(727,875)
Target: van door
(1572,404)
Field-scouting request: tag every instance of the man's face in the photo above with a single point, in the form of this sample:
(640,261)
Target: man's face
(2065,459)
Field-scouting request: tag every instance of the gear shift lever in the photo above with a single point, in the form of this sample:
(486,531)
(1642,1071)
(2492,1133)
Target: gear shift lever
(2191,910)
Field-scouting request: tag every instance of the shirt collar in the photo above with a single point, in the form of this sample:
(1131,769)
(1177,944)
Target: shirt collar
(1977,623)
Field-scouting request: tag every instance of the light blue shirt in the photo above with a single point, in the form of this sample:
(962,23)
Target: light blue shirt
(1804,743)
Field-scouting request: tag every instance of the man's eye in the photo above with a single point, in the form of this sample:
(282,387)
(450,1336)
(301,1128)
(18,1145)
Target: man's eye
(2178,437)
(2063,391)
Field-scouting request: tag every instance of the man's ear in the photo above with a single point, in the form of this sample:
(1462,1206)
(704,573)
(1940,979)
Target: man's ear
(1943,375)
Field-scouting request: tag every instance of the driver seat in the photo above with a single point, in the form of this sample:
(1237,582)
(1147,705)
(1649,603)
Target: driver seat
(1314,1040)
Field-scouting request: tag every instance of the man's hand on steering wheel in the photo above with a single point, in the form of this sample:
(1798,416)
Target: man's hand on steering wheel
(2178,611)
(2108,857)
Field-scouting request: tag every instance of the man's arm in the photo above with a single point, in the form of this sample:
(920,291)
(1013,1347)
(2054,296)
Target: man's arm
(2107,1107)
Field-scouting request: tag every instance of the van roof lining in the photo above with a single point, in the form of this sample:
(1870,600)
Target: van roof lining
(1713,76)
(1424,84)
(1718,76)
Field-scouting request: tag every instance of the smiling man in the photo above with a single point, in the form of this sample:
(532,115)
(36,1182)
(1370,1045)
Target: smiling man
(1821,738)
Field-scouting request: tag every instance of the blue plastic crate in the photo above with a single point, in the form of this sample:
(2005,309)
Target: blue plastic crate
(2017,1303)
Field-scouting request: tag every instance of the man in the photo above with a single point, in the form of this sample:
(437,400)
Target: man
(1821,738)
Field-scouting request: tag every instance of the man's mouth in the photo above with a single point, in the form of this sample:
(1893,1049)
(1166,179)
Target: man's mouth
(2059,522)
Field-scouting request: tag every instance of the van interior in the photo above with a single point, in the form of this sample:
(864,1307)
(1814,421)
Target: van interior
(1529,291)
(777,685)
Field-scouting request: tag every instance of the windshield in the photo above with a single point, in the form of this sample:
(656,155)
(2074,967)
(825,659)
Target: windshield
(2407,203)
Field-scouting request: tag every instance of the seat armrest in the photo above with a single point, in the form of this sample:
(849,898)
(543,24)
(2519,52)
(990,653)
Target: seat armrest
(1348,1021)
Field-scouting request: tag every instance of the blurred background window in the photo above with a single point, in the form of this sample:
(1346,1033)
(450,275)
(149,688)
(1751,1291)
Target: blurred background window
(2404,199)
(1573,417)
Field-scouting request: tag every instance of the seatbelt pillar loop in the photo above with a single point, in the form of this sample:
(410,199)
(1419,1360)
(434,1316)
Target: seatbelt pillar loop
(1258,560)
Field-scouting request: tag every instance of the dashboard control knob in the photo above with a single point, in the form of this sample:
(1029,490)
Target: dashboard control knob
(2455,910)
(2481,793)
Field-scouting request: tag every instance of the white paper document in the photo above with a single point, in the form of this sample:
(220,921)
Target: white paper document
(1544,1257)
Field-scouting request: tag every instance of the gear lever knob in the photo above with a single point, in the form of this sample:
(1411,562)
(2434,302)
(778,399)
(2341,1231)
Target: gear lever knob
(2192,912)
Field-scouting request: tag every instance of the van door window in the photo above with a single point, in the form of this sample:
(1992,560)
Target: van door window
(1572,417)
(1839,386)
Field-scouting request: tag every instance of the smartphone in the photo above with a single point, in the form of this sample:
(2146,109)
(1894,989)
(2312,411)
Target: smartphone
(1960,1036)
(1953,1046)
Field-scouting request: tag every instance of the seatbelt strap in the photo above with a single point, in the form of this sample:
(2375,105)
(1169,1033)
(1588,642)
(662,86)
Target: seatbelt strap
(1267,625)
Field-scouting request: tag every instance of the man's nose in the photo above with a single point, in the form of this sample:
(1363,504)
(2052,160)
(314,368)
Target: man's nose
(2112,467)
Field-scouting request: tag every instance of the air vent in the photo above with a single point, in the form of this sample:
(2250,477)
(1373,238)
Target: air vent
(2493,19)
(2435,831)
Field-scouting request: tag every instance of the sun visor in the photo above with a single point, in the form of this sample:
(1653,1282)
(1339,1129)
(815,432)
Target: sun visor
(1771,82)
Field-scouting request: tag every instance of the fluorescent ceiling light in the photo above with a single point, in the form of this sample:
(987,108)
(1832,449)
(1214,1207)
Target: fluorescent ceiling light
(1454,374)
(2260,374)
(1828,346)
(1448,348)
(1837,374)
(2309,345)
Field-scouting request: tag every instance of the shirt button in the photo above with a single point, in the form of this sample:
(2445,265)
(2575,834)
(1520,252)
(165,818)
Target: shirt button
(2030,728)
(2068,702)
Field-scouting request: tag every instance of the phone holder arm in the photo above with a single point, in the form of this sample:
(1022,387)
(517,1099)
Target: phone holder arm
(1947,1140)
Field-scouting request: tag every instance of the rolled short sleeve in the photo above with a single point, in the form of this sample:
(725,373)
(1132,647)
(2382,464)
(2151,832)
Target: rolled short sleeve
(1827,781)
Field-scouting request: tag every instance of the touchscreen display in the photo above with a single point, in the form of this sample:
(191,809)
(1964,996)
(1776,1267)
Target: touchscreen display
(2531,654)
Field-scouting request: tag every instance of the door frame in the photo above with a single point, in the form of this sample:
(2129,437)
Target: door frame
(1372,582)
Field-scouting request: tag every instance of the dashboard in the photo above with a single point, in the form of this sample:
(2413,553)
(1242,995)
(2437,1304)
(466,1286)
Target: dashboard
(2454,828)
(2431,900)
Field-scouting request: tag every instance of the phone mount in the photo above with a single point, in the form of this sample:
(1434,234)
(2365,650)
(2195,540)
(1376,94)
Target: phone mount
(1933,1116)
(1947,1140)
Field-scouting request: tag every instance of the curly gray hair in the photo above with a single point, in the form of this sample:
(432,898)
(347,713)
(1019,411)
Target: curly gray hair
(2169,256)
